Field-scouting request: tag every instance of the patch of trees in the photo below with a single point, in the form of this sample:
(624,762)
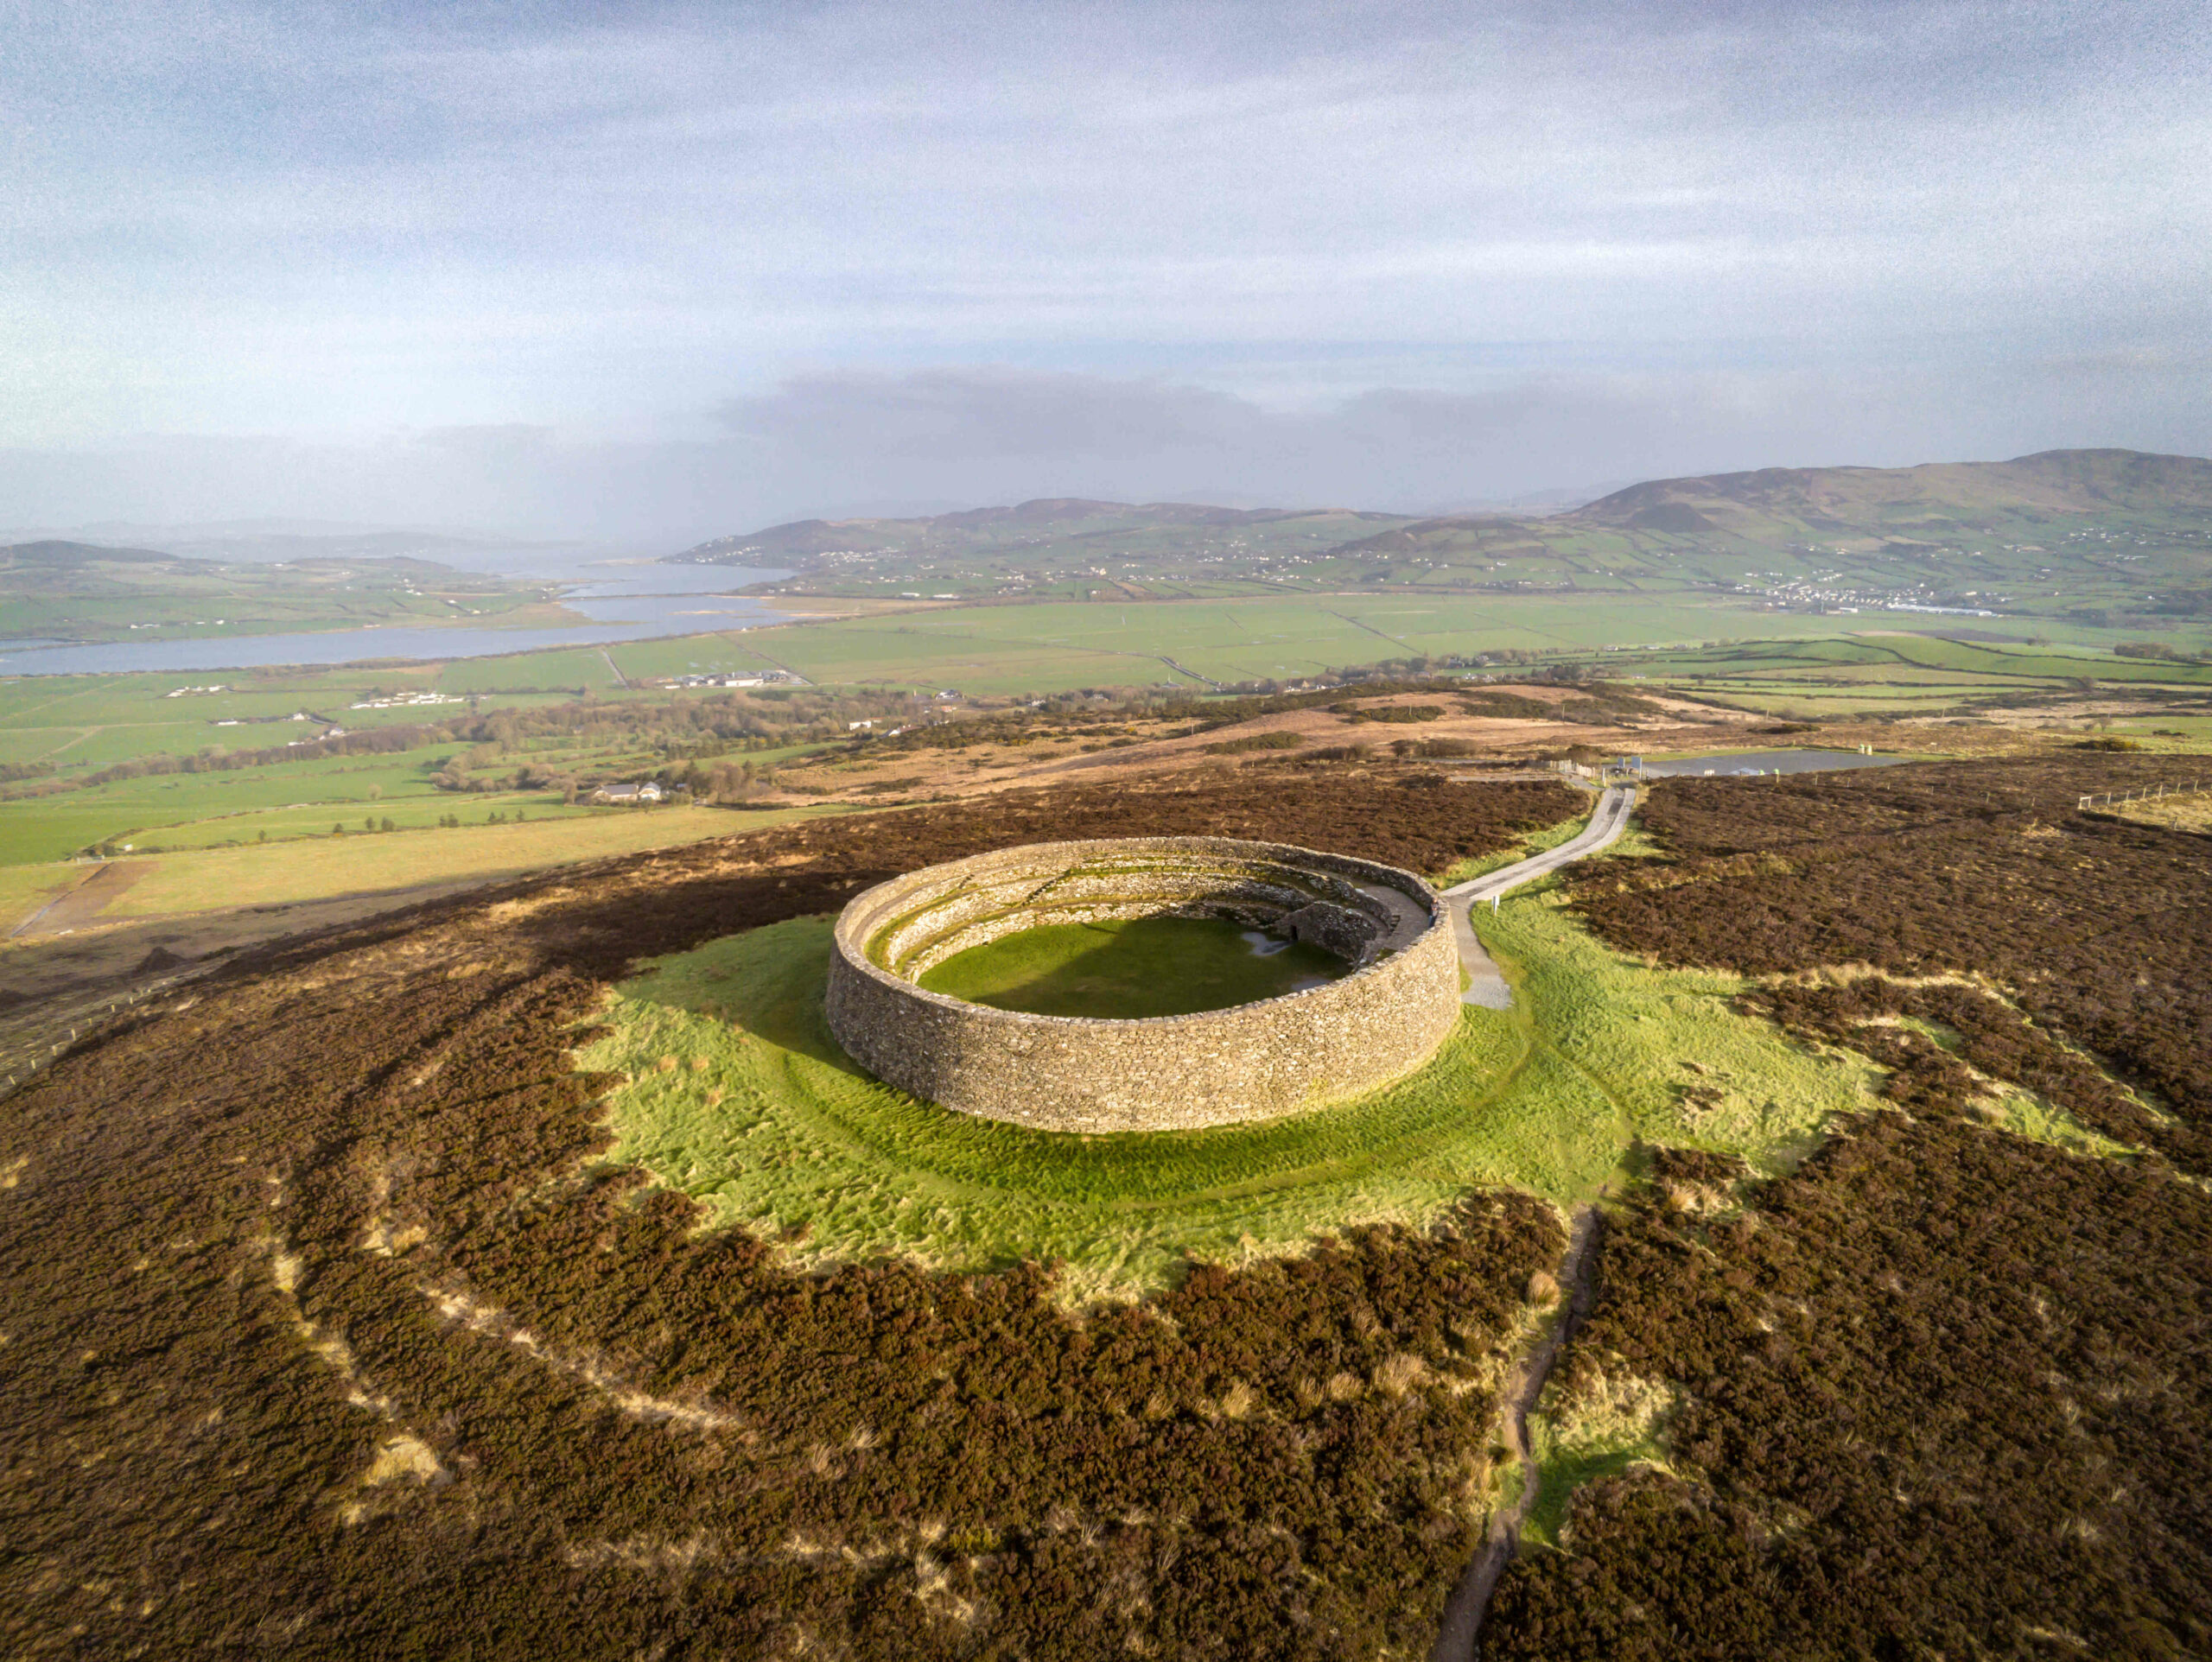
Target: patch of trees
(1256,741)
(1403,714)
(684,725)
(1433,748)
(678,730)
(1013,727)
(2184,602)
(1512,706)
(1213,712)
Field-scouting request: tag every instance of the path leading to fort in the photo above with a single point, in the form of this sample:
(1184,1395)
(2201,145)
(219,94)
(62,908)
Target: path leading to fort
(1486,986)
(1460,1634)
(1470,1602)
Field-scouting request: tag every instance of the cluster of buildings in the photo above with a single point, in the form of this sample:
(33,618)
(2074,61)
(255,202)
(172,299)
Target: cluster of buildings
(726,678)
(630,795)
(404,701)
(1813,594)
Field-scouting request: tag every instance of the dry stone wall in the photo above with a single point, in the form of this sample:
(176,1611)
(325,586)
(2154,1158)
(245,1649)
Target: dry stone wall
(1058,1073)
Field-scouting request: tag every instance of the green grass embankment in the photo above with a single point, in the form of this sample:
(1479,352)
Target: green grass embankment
(735,1093)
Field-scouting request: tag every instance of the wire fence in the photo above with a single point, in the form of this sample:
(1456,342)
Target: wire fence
(21,1068)
(2148,794)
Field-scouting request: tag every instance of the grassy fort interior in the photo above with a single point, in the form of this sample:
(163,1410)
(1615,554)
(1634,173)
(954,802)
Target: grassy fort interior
(1127,969)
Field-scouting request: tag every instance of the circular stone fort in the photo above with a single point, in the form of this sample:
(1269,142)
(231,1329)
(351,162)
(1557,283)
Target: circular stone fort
(1394,996)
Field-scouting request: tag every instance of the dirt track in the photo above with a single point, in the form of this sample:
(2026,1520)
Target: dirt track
(1463,1614)
(81,905)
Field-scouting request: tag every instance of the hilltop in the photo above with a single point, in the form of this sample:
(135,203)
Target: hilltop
(1054,547)
(1043,521)
(2109,535)
(19,559)
(62,590)
(1936,499)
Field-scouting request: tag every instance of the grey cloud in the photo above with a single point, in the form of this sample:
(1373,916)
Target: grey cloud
(965,415)
(224,216)
(835,444)
(556,267)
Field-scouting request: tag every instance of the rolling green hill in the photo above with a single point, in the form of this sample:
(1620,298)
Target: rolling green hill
(1046,522)
(2100,530)
(1056,548)
(85,592)
(1939,501)
(2105,538)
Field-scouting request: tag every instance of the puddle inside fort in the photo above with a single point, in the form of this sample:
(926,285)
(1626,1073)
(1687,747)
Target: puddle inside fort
(1125,970)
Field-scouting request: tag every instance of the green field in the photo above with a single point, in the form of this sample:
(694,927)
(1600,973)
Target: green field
(95,720)
(81,592)
(1053,647)
(1888,660)
(1128,970)
(317,867)
(1785,664)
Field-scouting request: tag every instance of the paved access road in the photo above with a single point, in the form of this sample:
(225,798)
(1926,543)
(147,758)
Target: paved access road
(1486,985)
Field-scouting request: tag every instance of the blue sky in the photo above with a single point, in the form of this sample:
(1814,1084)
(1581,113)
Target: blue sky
(647,272)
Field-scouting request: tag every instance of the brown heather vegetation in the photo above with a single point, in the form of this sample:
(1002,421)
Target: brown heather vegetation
(1258,741)
(1941,1391)
(1984,1035)
(2099,930)
(325,1337)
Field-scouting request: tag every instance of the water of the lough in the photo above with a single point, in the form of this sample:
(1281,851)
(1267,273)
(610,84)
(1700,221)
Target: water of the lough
(625,602)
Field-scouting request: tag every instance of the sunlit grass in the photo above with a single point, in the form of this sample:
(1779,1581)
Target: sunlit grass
(1128,969)
(1609,1426)
(735,1093)
(315,868)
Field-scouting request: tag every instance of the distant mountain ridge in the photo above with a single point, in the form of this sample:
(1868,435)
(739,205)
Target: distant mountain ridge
(2104,531)
(1887,503)
(55,553)
(1060,515)
(2053,481)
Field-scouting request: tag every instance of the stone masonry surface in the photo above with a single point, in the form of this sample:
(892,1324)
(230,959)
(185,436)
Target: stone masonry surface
(1059,1073)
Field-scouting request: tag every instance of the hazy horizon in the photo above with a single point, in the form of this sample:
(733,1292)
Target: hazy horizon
(647,277)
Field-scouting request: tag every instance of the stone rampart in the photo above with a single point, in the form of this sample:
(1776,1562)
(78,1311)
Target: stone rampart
(1250,1062)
